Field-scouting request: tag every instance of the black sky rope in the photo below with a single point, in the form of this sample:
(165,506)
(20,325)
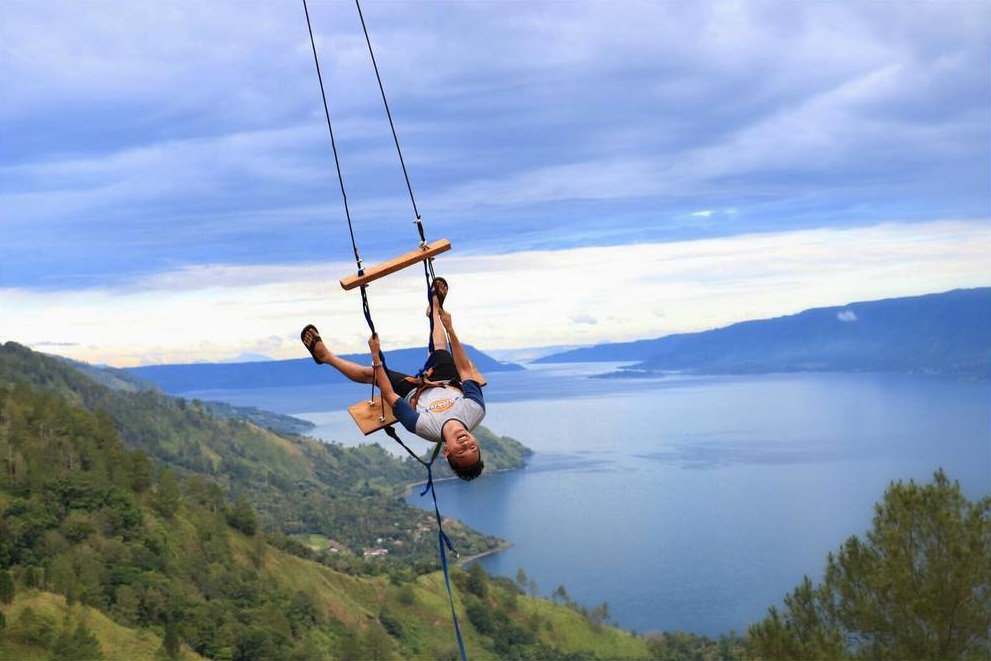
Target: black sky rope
(340,178)
(392,125)
(333,143)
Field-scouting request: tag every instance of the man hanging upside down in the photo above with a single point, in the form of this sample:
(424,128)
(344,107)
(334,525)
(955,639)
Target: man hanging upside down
(442,407)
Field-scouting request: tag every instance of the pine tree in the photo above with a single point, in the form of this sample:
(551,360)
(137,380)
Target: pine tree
(918,586)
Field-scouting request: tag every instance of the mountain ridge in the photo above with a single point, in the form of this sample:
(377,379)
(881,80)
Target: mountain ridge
(947,333)
(177,379)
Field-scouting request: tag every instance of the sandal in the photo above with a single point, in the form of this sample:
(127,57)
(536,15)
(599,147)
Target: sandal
(439,288)
(312,346)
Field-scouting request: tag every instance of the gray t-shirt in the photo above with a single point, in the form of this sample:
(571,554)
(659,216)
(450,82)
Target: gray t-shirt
(438,405)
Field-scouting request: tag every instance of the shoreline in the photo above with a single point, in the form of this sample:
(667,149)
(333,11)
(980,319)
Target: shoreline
(504,545)
(416,485)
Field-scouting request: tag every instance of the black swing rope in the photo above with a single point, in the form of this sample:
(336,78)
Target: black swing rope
(428,266)
(444,541)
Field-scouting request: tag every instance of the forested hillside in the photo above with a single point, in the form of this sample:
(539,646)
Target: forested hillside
(108,550)
(107,553)
(349,498)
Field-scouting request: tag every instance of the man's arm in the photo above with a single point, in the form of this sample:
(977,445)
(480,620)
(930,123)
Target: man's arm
(407,416)
(466,368)
(378,371)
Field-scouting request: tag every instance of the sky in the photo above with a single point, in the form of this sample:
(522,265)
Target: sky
(605,171)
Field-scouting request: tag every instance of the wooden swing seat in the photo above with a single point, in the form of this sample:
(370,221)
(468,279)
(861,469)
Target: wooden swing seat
(385,268)
(368,415)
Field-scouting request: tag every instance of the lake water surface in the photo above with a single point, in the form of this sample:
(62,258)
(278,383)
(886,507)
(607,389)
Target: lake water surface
(691,503)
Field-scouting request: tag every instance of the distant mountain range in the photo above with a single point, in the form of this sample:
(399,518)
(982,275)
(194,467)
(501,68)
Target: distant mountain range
(179,379)
(948,333)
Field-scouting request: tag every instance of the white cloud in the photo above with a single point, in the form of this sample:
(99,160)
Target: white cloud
(846,316)
(519,300)
(500,105)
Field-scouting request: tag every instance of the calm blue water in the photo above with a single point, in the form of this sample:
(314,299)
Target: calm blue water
(693,503)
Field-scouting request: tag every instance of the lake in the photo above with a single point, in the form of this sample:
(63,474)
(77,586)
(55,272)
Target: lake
(690,503)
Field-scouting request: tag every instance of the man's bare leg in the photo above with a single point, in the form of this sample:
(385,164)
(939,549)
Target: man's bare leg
(354,371)
(439,335)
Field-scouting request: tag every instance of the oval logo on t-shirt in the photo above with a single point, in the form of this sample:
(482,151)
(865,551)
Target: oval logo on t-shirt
(440,405)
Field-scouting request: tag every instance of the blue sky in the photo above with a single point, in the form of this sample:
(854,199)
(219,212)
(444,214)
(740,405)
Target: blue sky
(605,170)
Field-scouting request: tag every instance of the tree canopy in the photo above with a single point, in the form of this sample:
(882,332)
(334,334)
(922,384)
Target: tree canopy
(918,585)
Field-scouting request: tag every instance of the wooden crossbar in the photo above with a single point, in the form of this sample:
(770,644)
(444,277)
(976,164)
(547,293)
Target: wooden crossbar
(393,265)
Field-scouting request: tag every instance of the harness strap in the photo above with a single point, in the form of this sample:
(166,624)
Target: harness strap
(423,383)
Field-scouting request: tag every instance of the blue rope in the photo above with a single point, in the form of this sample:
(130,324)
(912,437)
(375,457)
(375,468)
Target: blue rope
(444,542)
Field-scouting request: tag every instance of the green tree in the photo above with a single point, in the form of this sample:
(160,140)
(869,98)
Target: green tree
(480,616)
(140,471)
(167,497)
(349,646)
(599,615)
(6,587)
(256,642)
(377,643)
(126,604)
(521,579)
(78,645)
(407,595)
(918,586)
(478,580)
(33,628)
(392,624)
(242,517)
(171,642)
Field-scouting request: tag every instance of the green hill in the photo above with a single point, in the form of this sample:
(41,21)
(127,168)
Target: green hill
(107,553)
(299,486)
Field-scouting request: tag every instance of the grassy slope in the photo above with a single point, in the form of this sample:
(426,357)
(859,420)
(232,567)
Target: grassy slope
(355,601)
(118,643)
(570,631)
(427,621)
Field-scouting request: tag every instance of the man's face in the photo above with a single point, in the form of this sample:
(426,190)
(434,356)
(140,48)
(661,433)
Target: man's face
(460,446)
